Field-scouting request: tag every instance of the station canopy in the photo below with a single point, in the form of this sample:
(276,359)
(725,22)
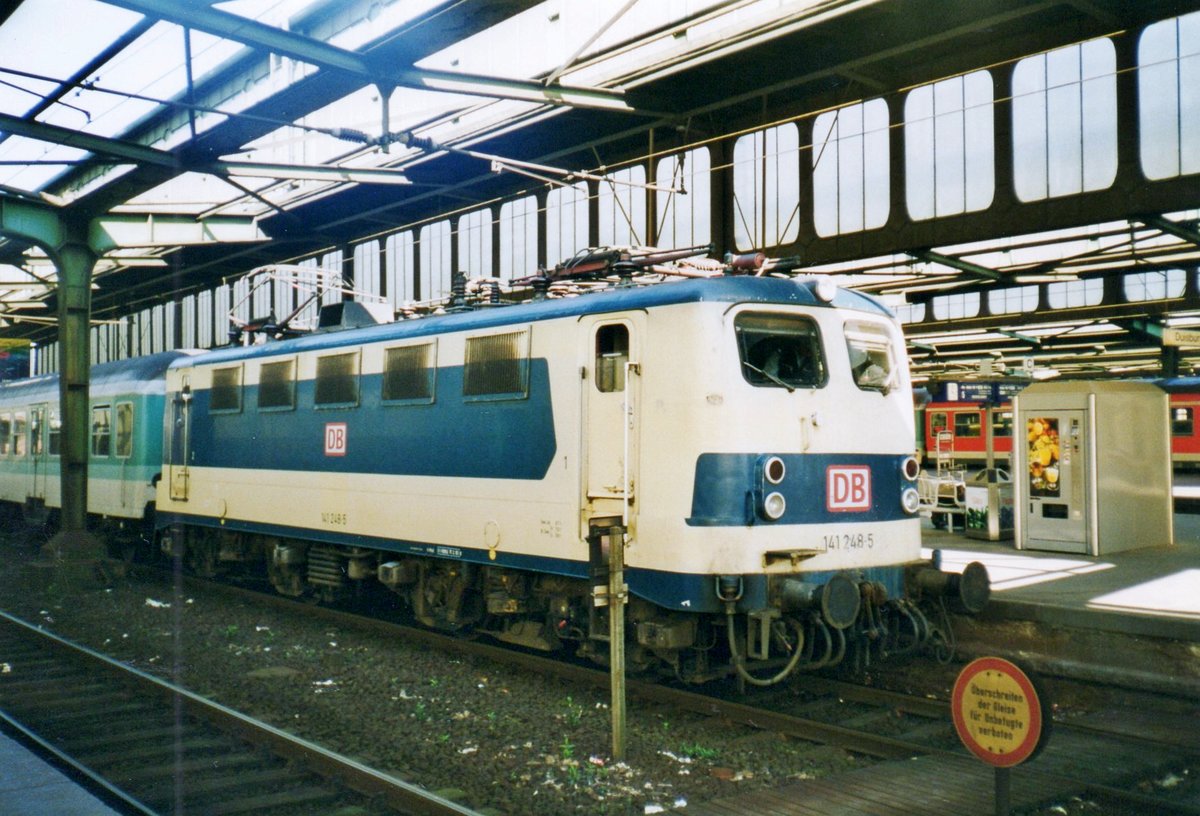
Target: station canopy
(205,139)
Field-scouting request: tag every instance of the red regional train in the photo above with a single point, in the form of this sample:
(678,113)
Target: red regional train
(957,411)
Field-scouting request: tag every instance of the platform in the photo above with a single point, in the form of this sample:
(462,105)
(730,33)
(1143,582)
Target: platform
(30,786)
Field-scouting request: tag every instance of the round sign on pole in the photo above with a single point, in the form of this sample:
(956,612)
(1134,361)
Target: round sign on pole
(998,713)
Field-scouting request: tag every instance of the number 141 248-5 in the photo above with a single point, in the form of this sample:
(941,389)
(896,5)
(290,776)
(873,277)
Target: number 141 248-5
(849,541)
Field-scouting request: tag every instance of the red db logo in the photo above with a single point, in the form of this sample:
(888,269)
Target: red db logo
(335,438)
(848,489)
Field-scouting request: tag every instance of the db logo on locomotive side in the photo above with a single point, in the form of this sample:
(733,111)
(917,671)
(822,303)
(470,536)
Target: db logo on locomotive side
(848,488)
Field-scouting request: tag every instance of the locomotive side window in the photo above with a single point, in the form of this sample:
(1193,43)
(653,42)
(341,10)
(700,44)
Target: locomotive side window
(226,393)
(497,366)
(5,434)
(779,351)
(967,423)
(277,386)
(408,374)
(612,353)
(124,447)
(1182,422)
(54,442)
(101,430)
(870,351)
(337,380)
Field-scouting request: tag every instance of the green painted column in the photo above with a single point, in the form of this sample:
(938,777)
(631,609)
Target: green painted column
(75,261)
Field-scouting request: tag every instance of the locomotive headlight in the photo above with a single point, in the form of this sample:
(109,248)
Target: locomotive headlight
(823,287)
(910,500)
(910,468)
(774,505)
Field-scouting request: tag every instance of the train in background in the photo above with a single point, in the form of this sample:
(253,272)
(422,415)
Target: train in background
(478,462)
(957,412)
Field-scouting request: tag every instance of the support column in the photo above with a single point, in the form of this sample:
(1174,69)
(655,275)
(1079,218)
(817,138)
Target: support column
(74,260)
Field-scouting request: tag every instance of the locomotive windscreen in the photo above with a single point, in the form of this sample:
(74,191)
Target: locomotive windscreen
(780,351)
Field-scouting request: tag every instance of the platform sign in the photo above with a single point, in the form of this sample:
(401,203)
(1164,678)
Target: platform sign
(998,713)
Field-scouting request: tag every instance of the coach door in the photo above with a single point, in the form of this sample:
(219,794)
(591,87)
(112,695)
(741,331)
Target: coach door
(612,387)
(178,442)
(37,451)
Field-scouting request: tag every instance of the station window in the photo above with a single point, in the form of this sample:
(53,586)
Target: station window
(277,386)
(497,366)
(337,380)
(101,430)
(1182,421)
(1157,285)
(1064,120)
(766,187)
(621,207)
(1168,116)
(967,424)
(779,351)
(566,222)
(124,440)
(612,353)
(225,395)
(408,374)
(684,217)
(850,157)
(475,243)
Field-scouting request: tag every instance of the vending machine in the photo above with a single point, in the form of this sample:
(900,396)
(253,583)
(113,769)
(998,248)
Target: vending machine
(1092,467)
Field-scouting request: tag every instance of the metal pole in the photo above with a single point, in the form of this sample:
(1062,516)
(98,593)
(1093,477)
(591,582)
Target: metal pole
(617,593)
(1003,791)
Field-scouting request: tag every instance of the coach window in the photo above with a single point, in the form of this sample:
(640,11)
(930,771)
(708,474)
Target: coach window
(870,350)
(277,386)
(54,442)
(408,375)
(967,424)
(101,430)
(497,366)
(35,432)
(124,430)
(938,422)
(1182,423)
(5,434)
(18,434)
(337,380)
(225,396)
(779,351)
(612,353)
(1002,423)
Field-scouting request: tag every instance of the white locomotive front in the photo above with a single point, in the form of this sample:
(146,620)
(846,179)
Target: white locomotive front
(751,438)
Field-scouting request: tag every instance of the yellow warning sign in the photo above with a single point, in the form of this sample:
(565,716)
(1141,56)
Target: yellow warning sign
(997,712)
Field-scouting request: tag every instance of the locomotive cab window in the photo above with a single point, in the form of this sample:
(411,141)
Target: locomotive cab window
(1182,423)
(277,386)
(612,353)
(101,430)
(408,375)
(337,380)
(870,351)
(226,393)
(779,351)
(124,440)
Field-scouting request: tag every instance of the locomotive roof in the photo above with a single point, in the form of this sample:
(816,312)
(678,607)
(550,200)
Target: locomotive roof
(731,289)
(120,376)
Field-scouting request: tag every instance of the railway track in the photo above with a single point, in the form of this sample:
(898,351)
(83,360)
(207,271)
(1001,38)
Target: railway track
(152,748)
(1116,754)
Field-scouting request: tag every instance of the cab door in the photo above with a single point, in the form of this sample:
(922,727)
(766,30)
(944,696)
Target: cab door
(611,384)
(178,441)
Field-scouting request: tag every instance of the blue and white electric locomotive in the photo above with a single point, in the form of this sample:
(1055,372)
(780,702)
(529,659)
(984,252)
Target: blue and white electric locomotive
(752,437)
